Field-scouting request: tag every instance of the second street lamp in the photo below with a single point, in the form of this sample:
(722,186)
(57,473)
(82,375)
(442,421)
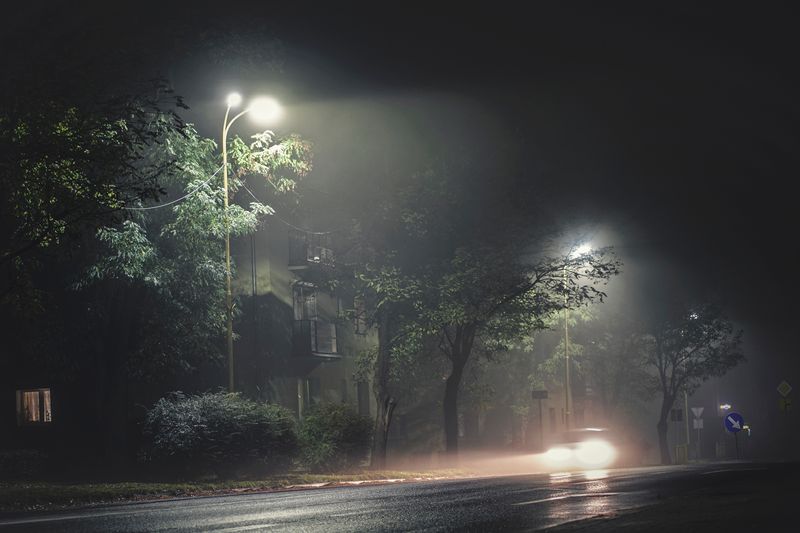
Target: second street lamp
(264,110)
(577,252)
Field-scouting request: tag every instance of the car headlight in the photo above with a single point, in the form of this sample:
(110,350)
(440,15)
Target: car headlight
(558,454)
(595,453)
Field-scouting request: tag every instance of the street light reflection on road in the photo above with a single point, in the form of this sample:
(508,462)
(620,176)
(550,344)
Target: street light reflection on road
(595,474)
(588,475)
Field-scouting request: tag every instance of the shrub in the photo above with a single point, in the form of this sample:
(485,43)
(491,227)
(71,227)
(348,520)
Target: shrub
(22,464)
(219,432)
(333,437)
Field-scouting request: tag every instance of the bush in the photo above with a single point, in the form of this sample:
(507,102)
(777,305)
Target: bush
(218,432)
(333,437)
(22,464)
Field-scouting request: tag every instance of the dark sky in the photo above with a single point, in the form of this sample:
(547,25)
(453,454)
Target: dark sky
(674,126)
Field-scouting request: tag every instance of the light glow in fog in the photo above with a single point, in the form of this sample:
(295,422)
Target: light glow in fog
(590,454)
(558,455)
(595,453)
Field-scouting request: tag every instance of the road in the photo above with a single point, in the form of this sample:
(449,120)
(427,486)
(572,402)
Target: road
(658,499)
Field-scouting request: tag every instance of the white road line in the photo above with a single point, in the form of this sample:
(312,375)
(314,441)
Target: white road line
(564,497)
(246,528)
(733,470)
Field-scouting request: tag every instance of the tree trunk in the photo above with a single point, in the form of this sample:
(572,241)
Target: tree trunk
(386,402)
(451,406)
(663,445)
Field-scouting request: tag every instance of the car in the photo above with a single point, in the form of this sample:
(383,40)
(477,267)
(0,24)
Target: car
(582,448)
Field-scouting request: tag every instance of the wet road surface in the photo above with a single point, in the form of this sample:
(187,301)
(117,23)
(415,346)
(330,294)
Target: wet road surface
(510,503)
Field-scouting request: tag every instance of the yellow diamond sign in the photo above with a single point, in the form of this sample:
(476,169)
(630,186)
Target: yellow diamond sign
(784,388)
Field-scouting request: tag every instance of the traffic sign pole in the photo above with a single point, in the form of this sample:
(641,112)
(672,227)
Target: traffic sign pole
(686,410)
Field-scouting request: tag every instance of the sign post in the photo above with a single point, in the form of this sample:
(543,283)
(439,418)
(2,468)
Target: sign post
(734,423)
(785,403)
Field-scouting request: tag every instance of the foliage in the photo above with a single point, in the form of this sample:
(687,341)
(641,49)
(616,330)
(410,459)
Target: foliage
(173,257)
(687,346)
(22,464)
(68,168)
(223,432)
(692,345)
(334,438)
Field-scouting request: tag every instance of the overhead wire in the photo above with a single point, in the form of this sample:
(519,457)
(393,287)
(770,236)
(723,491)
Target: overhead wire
(298,228)
(176,200)
(190,193)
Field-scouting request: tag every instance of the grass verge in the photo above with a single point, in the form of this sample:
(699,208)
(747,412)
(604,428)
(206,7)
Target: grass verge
(22,496)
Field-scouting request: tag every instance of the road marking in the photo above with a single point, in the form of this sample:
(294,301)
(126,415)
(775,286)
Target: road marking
(246,528)
(339,515)
(58,518)
(564,497)
(733,470)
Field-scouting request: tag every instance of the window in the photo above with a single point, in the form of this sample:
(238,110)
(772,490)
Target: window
(34,407)
(362,390)
(305,302)
(360,315)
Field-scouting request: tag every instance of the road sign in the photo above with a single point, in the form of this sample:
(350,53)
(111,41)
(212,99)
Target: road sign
(785,404)
(784,388)
(734,422)
(697,411)
(698,423)
(539,394)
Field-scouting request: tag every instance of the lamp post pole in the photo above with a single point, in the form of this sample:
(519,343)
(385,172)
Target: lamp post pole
(265,109)
(228,282)
(566,356)
(581,250)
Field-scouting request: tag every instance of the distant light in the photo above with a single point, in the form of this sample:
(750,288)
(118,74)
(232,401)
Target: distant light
(725,406)
(581,250)
(595,453)
(265,110)
(234,100)
(694,316)
(558,455)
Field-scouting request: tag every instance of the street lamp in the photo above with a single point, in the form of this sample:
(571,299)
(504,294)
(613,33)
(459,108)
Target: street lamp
(577,252)
(265,110)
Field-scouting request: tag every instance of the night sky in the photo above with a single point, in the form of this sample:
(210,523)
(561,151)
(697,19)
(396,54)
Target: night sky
(672,129)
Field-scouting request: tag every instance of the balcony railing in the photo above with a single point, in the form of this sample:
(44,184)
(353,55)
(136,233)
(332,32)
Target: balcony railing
(309,249)
(314,337)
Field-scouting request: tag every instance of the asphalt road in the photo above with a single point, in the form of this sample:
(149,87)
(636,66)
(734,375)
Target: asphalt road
(692,498)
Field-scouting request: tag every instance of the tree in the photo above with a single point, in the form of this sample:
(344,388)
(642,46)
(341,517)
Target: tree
(371,270)
(69,168)
(158,281)
(489,297)
(685,349)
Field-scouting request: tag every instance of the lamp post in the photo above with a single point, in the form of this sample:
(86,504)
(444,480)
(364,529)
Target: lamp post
(263,109)
(577,252)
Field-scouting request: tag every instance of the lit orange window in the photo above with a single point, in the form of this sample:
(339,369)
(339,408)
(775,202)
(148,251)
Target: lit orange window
(34,406)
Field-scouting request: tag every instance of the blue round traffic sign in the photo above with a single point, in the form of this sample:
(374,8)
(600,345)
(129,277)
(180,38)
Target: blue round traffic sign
(734,422)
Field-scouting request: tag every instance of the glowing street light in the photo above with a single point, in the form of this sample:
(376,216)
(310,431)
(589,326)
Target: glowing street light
(581,250)
(725,407)
(576,253)
(264,110)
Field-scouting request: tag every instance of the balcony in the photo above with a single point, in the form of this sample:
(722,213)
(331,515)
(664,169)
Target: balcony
(314,338)
(307,249)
